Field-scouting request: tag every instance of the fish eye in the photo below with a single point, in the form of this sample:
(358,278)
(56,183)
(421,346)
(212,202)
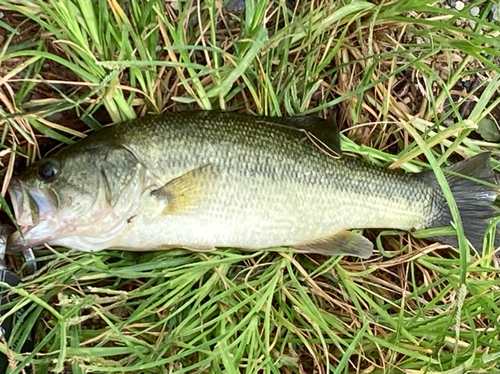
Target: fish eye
(48,170)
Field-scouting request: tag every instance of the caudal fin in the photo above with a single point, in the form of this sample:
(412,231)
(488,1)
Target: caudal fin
(475,191)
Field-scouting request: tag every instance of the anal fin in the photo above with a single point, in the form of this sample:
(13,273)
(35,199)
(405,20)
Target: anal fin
(199,248)
(193,248)
(342,242)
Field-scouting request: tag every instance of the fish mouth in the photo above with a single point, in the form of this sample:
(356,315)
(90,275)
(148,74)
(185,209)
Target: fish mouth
(33,207)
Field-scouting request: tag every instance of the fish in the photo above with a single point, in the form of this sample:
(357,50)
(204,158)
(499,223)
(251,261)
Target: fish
(203,180)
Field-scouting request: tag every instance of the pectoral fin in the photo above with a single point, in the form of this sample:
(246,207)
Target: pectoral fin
(341,243)
(187,192)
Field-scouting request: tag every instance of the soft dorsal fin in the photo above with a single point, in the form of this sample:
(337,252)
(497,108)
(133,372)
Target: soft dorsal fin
(323,133)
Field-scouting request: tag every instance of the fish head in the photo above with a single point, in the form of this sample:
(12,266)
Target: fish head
(76,198)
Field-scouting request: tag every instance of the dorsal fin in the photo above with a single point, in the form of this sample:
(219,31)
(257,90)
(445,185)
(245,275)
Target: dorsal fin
(324,133)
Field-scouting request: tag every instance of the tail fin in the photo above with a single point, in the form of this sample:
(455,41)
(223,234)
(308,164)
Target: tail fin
(476,199)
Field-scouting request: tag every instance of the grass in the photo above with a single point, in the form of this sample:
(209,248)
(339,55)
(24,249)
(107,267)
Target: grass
(395,72)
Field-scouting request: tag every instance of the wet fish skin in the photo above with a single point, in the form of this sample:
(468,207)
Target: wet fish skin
(202,180)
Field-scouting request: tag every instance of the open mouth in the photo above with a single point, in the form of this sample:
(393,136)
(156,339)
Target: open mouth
(31,207)
(24,205)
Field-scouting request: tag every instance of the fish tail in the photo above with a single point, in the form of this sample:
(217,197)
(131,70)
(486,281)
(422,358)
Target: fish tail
(472,183)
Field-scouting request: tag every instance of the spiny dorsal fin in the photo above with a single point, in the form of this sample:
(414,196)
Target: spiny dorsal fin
(323,133)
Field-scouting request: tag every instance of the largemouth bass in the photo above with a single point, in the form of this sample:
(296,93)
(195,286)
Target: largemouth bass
(202,180)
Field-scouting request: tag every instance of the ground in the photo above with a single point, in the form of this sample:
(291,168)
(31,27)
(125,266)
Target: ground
(411,81)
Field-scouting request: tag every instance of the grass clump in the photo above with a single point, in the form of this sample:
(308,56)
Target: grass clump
(411,81)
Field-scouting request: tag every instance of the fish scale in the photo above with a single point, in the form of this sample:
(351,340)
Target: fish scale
(313,187)
(202,180)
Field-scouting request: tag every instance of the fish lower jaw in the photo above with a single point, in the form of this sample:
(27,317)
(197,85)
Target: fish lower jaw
(36,235)
(19,242)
